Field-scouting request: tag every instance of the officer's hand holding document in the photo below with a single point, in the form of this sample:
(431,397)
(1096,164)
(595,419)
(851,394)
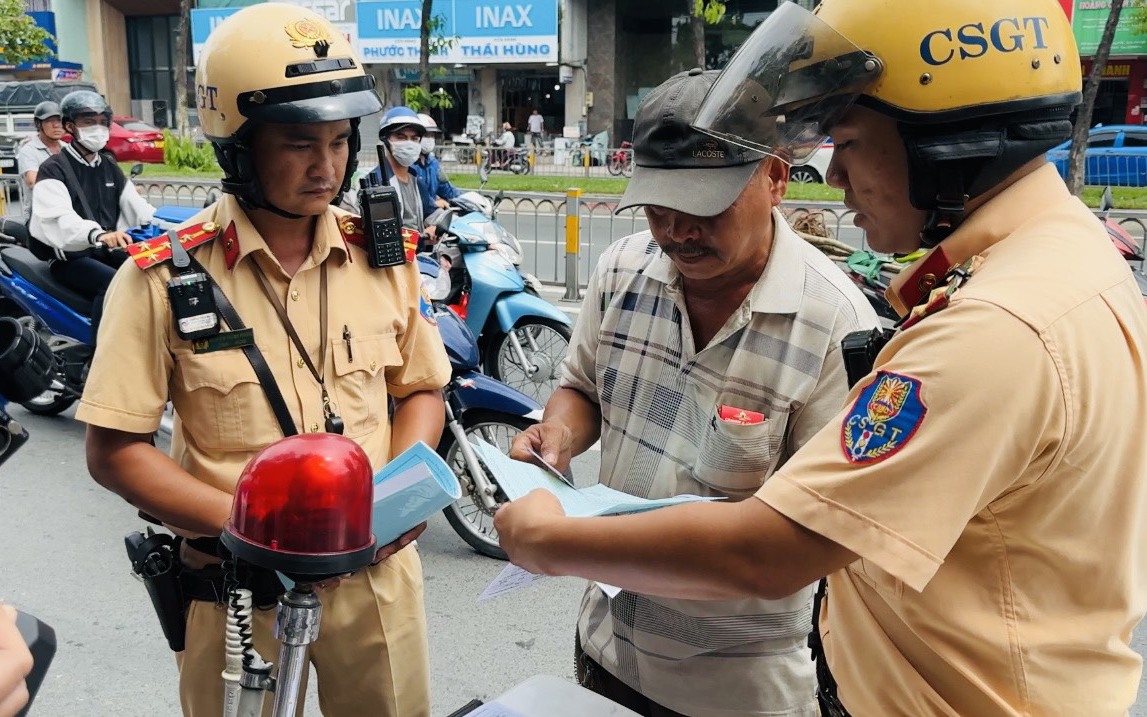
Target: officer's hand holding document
(517,478)
(409,489)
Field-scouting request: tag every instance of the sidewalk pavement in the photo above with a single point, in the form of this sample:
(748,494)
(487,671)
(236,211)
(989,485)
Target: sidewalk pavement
(556,295)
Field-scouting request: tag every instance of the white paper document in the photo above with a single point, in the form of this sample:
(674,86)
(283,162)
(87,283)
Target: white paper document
(495,709)
(510,579)
(517,478)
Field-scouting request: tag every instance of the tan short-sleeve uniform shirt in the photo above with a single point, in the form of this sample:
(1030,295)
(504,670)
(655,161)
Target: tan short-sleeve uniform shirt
(1002,536)
(224,417)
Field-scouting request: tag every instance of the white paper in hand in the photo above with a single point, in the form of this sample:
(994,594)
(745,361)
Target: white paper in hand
(510,579)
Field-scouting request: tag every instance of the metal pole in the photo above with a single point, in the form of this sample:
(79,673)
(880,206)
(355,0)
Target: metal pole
(297,626)
(573,239)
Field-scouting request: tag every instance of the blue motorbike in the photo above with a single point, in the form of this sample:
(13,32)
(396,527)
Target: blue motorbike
(61,317)
(477,406)
(522,337)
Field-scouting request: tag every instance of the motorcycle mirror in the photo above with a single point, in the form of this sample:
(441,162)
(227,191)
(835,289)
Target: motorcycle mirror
(136,170)
(1106,202)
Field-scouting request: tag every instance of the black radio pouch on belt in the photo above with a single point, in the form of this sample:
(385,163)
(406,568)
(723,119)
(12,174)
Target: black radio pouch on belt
(155,561)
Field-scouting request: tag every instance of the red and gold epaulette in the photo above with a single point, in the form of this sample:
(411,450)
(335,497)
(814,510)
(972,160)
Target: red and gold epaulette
(154,252)
(940,297)
(410,243)
(351,228)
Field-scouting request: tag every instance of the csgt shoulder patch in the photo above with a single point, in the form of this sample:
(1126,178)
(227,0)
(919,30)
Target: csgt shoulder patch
(426,307)
(886,415)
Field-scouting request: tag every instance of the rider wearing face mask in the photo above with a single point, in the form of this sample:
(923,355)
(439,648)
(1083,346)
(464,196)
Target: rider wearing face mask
(435,185)
(82,200)
(401,134)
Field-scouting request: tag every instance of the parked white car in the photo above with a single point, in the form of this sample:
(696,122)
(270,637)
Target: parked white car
(815,169)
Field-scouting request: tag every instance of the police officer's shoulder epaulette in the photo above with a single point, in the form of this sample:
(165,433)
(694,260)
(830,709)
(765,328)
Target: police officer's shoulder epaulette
(940,297)
(154,252)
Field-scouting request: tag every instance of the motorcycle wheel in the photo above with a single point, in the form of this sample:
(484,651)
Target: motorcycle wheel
(627,167)
(552,340)
(466,515)
(519,166)
(616,166)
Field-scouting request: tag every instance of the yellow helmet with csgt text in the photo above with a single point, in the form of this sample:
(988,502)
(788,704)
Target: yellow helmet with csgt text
(978,88)
(945,56)
(276,63)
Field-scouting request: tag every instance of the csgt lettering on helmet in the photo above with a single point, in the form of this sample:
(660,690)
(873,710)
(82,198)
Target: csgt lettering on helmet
(205,96)
(1008,34)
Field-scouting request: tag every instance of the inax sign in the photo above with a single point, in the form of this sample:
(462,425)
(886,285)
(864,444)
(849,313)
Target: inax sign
(481,31)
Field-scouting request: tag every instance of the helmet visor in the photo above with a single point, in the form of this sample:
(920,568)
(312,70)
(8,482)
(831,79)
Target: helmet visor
(785,86)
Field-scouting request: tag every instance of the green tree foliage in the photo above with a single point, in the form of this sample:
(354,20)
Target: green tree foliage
(702,13)
(21,39)
(420,100)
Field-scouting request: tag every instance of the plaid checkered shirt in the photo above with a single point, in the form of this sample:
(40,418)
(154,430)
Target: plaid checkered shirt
(777,355)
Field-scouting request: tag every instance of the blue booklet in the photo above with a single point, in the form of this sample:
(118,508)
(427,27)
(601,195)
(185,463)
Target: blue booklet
(408,490)
(415,485)
(518,478)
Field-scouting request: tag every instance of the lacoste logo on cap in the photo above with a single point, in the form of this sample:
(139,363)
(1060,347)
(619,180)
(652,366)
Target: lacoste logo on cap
(710,149)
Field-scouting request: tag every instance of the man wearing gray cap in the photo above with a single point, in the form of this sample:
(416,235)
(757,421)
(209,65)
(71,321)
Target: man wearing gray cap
(34,150)
(706,352)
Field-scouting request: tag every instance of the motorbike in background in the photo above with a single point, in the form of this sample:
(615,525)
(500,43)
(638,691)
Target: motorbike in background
(477,406)
(621,162)
(30,294)
(515,160)
(1123,242)
(522,337)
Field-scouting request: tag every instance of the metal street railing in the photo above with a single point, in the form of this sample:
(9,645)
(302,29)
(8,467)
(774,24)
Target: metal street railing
(559,252)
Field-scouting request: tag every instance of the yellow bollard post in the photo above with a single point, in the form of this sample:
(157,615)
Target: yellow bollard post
(573,243)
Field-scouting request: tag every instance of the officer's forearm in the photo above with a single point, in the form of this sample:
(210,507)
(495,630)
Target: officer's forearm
(128,465)
(418,417)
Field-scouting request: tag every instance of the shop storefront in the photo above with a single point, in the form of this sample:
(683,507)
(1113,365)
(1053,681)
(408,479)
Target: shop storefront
(1122,97)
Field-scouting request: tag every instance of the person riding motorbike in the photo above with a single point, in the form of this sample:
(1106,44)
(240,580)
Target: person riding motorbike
(505,144)
(401,134)
(83,201)
(436,187)
(34,150)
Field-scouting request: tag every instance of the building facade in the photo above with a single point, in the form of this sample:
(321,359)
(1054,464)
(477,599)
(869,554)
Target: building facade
(583,64)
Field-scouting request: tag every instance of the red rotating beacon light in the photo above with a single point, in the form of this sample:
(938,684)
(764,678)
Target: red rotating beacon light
(303,507)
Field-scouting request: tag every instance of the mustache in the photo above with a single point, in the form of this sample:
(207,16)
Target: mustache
(672,249)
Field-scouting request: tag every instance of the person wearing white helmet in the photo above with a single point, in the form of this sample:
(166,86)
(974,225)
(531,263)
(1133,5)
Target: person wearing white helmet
(34,150)
(401,133)
(979,504)
(330,344)
(436,187)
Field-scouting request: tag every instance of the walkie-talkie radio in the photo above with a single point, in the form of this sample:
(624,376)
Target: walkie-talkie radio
(381,219)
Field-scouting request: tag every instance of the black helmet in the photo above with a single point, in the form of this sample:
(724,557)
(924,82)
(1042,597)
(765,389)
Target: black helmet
(84,102)
(46,110)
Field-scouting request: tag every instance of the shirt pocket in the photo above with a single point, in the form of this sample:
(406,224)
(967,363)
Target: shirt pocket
(734,457)
(359,387)
(223,407)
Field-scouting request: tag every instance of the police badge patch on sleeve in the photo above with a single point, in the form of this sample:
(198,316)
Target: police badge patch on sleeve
(884,418)
(426,307)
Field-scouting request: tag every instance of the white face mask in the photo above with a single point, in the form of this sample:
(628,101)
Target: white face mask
(95,137)
(428,144)
(406,152)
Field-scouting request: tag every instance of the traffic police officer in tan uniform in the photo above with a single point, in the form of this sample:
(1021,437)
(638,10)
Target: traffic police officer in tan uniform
(980,504)
(280,94)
